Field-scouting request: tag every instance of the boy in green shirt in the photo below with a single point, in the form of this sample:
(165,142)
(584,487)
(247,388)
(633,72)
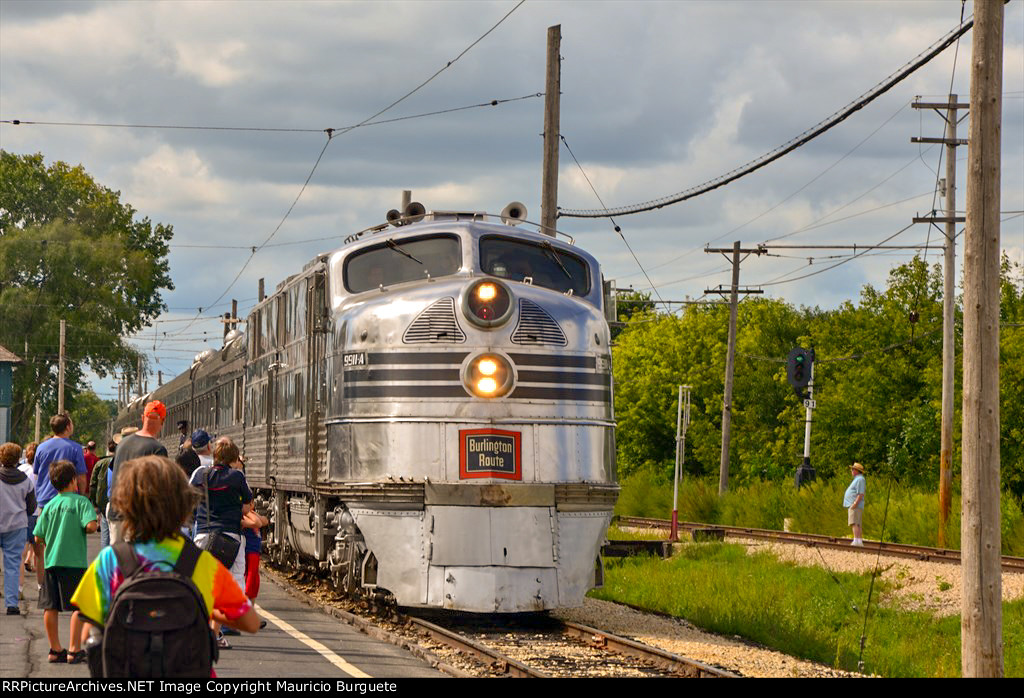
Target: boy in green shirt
(62,526)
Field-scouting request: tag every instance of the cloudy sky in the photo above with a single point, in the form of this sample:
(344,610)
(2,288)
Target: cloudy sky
(657,97)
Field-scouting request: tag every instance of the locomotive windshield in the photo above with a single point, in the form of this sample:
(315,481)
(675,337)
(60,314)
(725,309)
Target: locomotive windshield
(549,266)
(397,261)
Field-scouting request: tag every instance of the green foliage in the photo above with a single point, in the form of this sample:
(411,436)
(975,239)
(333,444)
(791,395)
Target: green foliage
(877,384)
(70,249)
(801,611)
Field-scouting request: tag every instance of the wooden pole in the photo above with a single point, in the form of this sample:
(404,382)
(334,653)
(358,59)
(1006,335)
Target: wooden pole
(60,370)
(948,320)
(981,609)
(552,99)
(730,357)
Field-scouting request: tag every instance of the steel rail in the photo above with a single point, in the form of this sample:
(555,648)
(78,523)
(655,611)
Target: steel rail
(916,552)
(689,668)
(497,660)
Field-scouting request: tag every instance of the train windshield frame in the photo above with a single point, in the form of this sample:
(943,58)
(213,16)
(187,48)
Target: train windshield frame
(548,265)
(397,261)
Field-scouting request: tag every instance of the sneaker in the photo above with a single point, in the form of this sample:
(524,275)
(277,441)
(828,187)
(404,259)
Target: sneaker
(222,642)
(857,544)
(229,631)
(263,624)
(13,611)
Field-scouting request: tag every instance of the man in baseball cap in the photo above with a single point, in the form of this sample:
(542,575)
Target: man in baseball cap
(142,443)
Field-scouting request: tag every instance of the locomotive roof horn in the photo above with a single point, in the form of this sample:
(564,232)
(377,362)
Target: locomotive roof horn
(414,212)
(394,217)
(513,214)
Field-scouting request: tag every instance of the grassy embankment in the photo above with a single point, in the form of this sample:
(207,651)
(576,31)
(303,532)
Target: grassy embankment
(801,611)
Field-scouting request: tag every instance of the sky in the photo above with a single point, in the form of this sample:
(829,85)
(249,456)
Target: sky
(657,97)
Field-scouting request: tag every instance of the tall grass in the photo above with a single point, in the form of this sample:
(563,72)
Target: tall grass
(801,611)
(911,518)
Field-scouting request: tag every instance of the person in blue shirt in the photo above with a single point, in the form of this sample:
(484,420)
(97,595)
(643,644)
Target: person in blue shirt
(853,500)
(56,448)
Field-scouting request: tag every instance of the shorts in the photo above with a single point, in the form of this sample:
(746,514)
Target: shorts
(60,585)
(31,527)
(855,517)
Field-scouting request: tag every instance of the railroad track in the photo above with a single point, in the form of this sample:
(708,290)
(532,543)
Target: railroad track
(552,647)
(549,648)
(916,552)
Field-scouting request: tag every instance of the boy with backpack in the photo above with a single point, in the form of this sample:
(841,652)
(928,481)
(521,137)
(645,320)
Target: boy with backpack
(62,527)
(154,594)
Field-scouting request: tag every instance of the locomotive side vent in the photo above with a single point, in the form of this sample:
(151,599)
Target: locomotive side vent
(436,325)
(536,326)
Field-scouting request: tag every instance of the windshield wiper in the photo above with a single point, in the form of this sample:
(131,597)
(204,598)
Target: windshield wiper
(553,253)
(394,245)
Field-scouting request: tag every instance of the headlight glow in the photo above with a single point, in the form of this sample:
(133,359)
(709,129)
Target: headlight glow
(488,375)
(487,303)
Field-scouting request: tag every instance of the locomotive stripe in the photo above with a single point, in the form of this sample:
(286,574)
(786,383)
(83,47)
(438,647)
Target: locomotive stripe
(567,377)
(359,391)
(416,357)
(401,374)
(528,393)
(553,360)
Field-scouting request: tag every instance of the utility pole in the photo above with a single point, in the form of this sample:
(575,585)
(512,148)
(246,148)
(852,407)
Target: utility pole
(552,101)
(981,621)
(723,473)
(60,370)
(948,303)
(141,393)
(682,424)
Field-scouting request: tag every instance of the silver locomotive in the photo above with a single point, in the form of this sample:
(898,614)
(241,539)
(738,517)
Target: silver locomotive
(426,412)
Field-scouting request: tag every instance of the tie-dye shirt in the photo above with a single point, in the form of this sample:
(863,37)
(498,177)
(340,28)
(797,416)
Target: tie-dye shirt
(103,578)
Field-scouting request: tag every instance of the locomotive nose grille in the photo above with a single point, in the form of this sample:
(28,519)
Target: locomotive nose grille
(436,325)
(536,326)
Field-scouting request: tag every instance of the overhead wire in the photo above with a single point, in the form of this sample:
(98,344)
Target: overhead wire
(332,133)
(786,148)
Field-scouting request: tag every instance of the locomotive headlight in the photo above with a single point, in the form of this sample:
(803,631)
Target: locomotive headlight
(489,375)
(487,303)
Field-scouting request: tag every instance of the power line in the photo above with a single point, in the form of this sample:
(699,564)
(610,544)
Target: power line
(786,148)
(331,133)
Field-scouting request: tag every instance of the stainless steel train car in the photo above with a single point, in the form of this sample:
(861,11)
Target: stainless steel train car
(425,412)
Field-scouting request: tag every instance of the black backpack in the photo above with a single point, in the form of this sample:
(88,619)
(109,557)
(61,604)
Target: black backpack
(157,626)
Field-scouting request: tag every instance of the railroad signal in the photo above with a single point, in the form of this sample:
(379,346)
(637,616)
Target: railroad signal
(798,369)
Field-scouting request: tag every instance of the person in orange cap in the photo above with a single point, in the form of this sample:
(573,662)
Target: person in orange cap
(144,442)
(853,500)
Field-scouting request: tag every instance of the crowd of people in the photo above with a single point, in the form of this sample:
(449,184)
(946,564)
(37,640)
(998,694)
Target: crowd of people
(149,511)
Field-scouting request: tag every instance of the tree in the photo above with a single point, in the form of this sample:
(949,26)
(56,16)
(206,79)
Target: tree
(71,249)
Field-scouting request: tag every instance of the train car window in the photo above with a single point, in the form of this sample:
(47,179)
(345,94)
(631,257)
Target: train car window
(256,336)
(548,265)
(398,261)
(297,392)
(238,401)
(297,301)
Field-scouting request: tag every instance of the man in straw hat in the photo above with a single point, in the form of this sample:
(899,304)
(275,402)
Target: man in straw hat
(853,500)
(142,443)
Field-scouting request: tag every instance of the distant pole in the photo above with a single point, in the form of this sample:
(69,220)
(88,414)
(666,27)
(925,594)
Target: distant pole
(60,369)
(981,574)
(141,393)
(234,314)
(39,419)
(552,99)
(262,292)
(730,357)
(948,345)
(734,291)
